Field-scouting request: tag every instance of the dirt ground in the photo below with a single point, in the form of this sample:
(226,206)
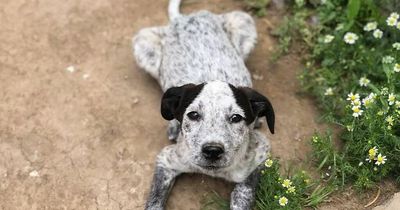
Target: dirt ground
(87,139)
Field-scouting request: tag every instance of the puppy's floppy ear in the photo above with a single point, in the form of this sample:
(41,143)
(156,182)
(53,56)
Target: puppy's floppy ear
(261,106)
(255,105)
(176,99)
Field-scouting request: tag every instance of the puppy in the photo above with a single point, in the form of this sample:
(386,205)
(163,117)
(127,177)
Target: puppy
(198,60)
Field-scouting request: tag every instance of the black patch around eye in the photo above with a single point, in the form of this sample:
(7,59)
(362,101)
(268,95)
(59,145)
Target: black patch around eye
(254,105)
(243,101)
(176,99)
(194,116)
(235,118)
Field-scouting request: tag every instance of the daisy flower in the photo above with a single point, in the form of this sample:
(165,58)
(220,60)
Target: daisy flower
(352,97)
(377,33)
(292,189)
(328,92)
(397,104)
(387,59)
(364,81)
(392,19)
(389,120)
(380,160)
(287,183)
(370,26)
(283,201)
(385,91)
(396,67)
(350,128)
(368,101)
(350,38)
(315,139)
(370,159)
(328,38)
(356,103)
(394,15)
(372,152)
(357,111)
(391,99)
(268,163)
(372,96)
(396,45)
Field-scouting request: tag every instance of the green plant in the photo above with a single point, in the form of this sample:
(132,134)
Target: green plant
(214,201)
(294,191)
(353,71)
(277,191)
(258,6)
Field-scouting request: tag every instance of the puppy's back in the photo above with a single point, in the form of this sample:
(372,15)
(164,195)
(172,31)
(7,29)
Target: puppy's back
(197,49)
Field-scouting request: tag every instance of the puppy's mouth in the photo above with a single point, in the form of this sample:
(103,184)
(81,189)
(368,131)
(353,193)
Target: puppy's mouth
(212,166)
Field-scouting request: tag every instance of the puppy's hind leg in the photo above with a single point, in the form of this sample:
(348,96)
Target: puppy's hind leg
(241,30)
(147,49)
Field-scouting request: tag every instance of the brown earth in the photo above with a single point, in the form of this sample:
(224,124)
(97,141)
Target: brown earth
(88,139)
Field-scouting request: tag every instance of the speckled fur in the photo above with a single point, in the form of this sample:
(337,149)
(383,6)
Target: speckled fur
(210,49)
(198,48)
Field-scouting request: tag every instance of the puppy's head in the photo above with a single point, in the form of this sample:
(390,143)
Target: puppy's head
(216,119)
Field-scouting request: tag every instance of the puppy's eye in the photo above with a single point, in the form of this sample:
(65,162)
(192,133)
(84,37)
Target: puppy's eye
(193,116)
(235,118)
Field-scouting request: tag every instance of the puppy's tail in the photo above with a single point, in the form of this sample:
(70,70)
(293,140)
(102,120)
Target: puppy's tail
(173,9)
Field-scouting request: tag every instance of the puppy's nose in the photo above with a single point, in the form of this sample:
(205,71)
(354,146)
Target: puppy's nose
(212,152)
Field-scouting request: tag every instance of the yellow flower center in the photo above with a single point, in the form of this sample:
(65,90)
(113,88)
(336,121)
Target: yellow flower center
(283,201)
(286,183)
(372,152)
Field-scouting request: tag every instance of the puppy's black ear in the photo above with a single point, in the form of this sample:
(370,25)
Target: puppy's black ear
(255,105)
(176,99)
(261,107)
(170,102)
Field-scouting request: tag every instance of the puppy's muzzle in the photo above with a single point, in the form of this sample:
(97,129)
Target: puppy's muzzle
(212,152)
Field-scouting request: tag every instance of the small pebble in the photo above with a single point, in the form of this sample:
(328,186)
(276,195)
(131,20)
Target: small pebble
(34,173)
(258,77)
(70,69)
(85,76)
(132,190)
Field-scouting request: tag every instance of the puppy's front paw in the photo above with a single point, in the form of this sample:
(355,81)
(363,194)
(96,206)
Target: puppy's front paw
(154,208)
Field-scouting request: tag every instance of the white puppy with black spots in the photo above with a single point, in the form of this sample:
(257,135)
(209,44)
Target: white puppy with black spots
(198,60)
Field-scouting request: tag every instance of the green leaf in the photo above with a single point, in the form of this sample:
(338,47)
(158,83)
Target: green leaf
(353,7)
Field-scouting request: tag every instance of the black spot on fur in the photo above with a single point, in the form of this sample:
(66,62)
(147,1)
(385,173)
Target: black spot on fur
(151,54)
(176,99)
